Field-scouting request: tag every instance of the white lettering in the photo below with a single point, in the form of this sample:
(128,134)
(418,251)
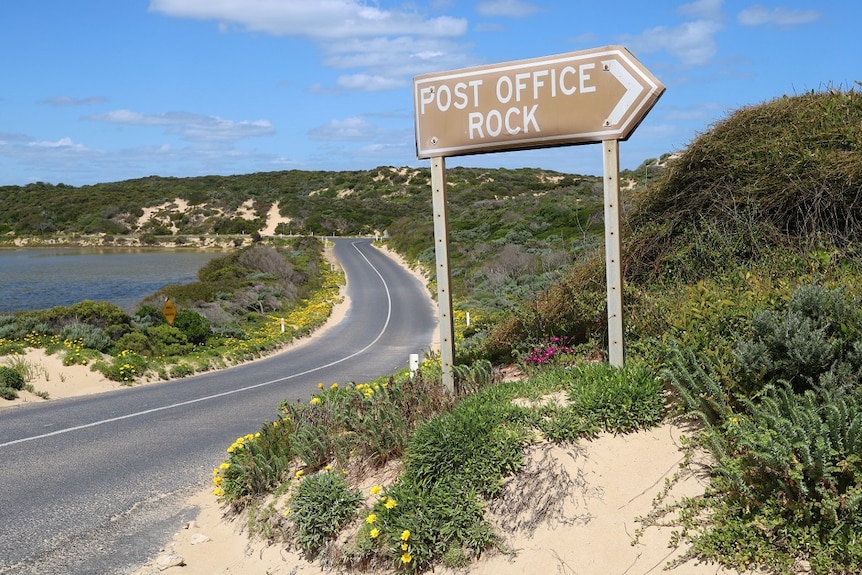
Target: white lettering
(426,96)
(494,122)
(520,85)
(444,89)
(537,82)
(565,90)
(498,118)
(460,95)
(475,84)
(585,77)
(500,98)
(530,118)
(476,119)
(509,129)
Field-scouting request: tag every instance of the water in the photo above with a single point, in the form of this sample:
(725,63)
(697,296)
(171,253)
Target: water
(42,278)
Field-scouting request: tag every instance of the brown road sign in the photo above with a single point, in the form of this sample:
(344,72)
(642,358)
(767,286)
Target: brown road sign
(576,98)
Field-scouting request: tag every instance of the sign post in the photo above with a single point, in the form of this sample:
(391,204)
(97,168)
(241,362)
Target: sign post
(444,276)
(596,96)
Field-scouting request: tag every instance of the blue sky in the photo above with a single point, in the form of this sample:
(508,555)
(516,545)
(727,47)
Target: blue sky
(105,90)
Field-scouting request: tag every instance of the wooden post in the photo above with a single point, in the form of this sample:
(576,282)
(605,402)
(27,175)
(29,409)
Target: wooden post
(613,250)
(444,277)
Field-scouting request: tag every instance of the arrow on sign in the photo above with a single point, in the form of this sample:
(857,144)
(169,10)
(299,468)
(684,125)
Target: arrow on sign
(576,98)
(632,86)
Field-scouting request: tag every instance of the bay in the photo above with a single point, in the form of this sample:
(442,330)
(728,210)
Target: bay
(41,278)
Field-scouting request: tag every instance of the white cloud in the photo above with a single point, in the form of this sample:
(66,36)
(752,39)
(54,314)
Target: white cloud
(397,59)
(510,8)
(348,129)
(66,143)
(702,9)
(760,15)
(385,46)
(369,83)
(194,127)
(692,42)
(321,19)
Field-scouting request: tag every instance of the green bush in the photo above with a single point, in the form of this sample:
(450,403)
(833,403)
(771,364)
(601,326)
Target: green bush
(475,442)
(8,393)
(788,484)
(89,336)
(813,340)
(96,313)
(417,526)
(194,325)
(168,341)
(256,463)
(134,341)
(618,400)
(322,503)
(11,378)
(125,367)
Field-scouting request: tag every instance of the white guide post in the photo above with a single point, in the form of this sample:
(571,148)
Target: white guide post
(611,161)
(444,277)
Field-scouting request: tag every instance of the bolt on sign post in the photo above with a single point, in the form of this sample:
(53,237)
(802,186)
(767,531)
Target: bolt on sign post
(596,96)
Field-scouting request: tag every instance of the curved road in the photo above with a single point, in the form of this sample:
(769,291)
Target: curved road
(97,484)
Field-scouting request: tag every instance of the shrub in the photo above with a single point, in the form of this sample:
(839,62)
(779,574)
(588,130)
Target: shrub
(788,484)
(181,370)
(416,526)
(322,503)
(134,341)
(89,336)
(475,442)
(256,463)
(815,337)
(194,325)
(11,378)
(124,368)
(96,313)
(167,341)
(619,400)
(8,393)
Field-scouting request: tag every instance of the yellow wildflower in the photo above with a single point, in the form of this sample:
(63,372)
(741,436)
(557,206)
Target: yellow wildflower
(374,533)
(405,535)
(315,401)
(372,517)
(319,386)
(218,491)
(333,386)
(224,465)
(404,547)
(299,474)
(376,490)
(390,503)
(406,558)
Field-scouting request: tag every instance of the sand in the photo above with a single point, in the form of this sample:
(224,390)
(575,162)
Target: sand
(595,490)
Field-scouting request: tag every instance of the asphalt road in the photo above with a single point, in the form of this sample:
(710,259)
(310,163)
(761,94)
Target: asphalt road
(97,484)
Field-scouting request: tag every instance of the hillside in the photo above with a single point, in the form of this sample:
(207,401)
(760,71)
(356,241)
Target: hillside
(743,283)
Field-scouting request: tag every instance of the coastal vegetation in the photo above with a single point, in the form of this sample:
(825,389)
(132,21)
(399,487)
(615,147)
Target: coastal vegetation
(742,291)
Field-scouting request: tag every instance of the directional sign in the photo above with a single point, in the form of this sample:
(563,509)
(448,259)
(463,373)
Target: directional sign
(169,310)
(576,98)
